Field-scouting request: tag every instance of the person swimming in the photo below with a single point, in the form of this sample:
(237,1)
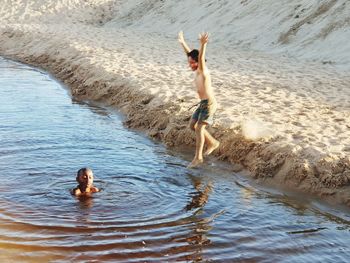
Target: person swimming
(85,179)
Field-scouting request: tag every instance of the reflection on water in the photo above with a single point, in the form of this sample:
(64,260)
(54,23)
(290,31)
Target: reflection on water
(151,207)
(200,197)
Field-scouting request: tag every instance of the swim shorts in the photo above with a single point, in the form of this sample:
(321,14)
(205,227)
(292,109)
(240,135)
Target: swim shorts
(202,113)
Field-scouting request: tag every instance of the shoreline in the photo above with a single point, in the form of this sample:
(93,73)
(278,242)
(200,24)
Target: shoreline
(165,116)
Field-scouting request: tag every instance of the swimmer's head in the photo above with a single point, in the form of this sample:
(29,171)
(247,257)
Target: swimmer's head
(85,177)
(193,59)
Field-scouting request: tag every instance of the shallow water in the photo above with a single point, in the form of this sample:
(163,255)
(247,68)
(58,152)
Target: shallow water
(151,208)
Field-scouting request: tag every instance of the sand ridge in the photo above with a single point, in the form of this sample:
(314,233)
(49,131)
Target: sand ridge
(284,119)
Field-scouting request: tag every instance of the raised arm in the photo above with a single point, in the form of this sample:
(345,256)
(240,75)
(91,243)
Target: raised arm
(183,42)
(203,38)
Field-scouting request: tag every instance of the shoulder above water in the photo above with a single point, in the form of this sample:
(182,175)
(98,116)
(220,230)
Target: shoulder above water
(76,191)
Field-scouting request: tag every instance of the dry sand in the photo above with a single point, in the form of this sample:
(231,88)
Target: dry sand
(280,72)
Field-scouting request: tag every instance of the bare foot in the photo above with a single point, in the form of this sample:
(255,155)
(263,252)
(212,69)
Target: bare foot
(212,148)
(195,163)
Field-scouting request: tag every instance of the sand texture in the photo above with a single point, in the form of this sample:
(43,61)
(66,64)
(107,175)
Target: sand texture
(280,71)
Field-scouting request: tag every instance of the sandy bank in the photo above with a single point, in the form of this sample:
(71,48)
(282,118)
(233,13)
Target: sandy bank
(285,120)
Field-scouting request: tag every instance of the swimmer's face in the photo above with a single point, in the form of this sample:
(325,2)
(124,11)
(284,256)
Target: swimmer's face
(86,179)
(192,63)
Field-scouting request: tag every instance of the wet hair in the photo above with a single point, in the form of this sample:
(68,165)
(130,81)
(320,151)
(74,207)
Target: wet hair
(194,53)
(82,171)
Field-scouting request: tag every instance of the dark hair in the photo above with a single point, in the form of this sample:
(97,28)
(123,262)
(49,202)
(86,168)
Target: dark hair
(194,53)
(82,171)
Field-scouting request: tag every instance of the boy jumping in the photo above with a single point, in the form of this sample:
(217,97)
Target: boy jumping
(203,115)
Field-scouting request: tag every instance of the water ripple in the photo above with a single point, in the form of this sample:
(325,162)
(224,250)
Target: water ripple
(151,208)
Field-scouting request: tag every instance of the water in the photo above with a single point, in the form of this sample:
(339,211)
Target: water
(151,208)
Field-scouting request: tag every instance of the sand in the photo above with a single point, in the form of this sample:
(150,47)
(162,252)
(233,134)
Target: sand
(279,70)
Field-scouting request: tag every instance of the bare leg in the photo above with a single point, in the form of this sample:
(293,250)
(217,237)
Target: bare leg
(200,139)
(212,144)
(193,124)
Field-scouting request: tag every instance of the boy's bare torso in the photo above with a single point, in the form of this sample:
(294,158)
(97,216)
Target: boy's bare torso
(202,82)
(88,191)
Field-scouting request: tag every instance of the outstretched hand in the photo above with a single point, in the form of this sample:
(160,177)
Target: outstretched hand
(181,37)
(204,38)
